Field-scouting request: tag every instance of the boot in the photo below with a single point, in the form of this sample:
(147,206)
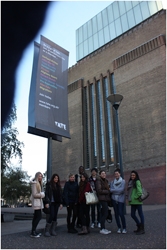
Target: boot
(88,229)
(141,229)
(138,228)
(53,228)
(73,230)
(47,229)
(84,231)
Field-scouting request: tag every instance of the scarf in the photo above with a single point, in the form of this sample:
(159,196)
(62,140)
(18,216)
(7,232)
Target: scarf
(117,184)
(130,187)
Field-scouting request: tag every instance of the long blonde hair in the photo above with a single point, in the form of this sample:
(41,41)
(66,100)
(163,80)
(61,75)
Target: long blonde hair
(39,185)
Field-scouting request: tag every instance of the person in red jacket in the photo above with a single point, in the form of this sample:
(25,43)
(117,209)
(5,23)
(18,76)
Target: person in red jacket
(84,186)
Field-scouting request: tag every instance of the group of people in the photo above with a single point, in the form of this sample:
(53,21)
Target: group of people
(78,212)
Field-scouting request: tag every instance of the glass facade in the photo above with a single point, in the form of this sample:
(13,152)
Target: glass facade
(117,18)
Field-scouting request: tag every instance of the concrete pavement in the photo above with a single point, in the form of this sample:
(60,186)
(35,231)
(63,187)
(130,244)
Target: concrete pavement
(15,235)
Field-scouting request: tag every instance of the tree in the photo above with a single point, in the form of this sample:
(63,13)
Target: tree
(15,185)
(10,145)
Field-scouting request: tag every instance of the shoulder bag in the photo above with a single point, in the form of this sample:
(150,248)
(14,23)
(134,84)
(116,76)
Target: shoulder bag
(91,197)
(144,195)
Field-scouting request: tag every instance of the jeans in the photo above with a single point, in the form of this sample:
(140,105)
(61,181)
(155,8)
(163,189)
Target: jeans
(36,218)
(53,211)
(104,213)
(119,213)
(71,211)
(93,208)
(84,214)
(140,213)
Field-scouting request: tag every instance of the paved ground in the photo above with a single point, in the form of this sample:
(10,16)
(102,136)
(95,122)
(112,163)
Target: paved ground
(15,235)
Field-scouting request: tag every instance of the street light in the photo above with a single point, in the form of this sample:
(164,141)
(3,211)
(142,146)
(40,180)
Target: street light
(115,100)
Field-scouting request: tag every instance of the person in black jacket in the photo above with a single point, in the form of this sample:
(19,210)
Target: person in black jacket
(70,195)
(53,200)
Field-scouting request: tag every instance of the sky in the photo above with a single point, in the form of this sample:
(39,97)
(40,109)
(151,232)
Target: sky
(62,20)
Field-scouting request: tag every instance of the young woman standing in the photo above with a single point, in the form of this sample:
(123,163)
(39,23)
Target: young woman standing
(134,192)
(37,204)
(53,200)
(84,186)
(103,192)
(70,195)
(117,189)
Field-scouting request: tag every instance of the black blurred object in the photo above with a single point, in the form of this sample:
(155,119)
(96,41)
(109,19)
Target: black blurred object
(45,209)
(20,23)
(109,216)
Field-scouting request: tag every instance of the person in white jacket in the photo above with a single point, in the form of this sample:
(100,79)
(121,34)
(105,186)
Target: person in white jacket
(37,203)
(117,189)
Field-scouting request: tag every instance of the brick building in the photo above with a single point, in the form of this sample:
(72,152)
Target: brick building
(132,64)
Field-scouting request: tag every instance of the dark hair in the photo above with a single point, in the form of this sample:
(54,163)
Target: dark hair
(136,179)
(102,171)
(86,176)
(94,169)
(52,183)
(117,170)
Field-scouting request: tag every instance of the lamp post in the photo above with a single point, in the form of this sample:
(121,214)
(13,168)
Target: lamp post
(115,100)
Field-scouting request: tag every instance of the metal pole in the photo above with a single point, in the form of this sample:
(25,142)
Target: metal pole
(119,145)
(49,158)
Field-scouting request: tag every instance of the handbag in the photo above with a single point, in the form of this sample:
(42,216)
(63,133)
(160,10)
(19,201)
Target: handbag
(144,195)
(46,210)
(91,197)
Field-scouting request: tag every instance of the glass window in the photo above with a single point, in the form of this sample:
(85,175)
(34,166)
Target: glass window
(144,10)
(138,15)
(85,47)
(131,19)
(116,10)
(152,7)
(110,13)
(124,22)
(80,35)
(112,31)
(94,124)
(118,26)
(106,34)
(89,28)
(99,21)
(80,48)
(134,3)
(86,127)
(101,38)
(77,37)
(128,5)
(105,17)
(108,117)
(159,5)
(85,31)
(95,41)
(101,126)
(94,24)
(77,53)
(90,43)
(122,7)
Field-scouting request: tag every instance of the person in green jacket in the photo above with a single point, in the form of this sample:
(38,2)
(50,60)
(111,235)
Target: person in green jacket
(134,192)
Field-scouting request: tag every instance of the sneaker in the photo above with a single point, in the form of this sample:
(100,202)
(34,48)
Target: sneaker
(99,225)
(107,231)
(93,225)
(38,233)
(34,235)
(124,231)
(119,231)
(103,231)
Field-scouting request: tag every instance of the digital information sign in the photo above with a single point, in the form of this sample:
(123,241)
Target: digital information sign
(48,98)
